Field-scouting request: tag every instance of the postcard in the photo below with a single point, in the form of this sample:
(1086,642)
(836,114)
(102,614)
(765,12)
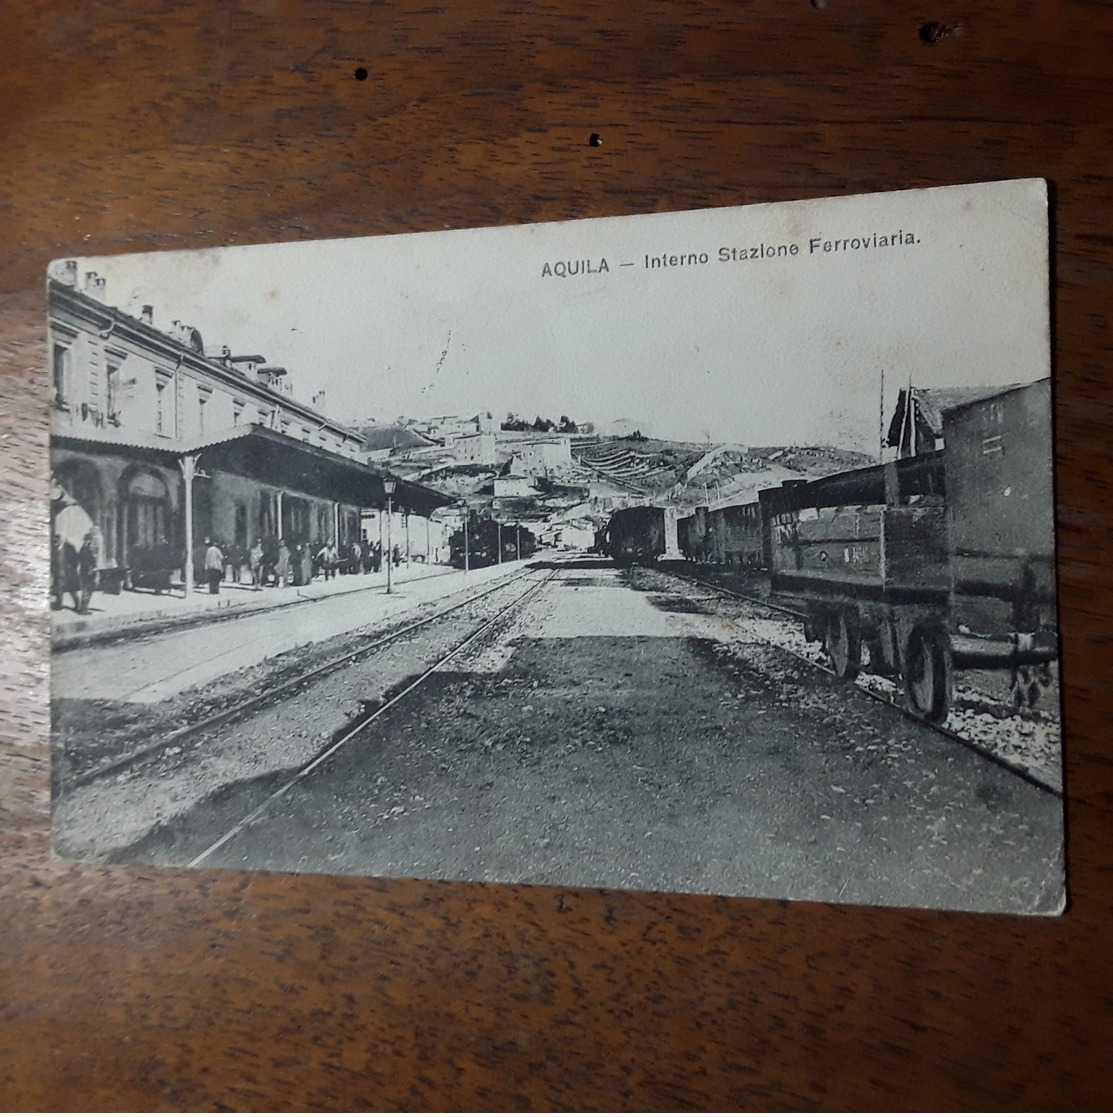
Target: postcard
(701,552)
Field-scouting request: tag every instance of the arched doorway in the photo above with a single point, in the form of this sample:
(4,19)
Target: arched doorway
(145,513)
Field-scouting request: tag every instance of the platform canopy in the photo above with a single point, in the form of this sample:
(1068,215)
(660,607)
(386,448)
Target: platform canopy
(273,458)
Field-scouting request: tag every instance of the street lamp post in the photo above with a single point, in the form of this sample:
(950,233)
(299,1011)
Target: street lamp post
(466,560)
(388,488)
(499,523)
(518,529)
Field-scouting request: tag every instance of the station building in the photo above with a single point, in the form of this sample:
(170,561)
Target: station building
(145,426)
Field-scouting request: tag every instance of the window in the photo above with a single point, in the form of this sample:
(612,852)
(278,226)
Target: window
(203,397)
(237,412)
(61,374)
(162,403)
(112,391)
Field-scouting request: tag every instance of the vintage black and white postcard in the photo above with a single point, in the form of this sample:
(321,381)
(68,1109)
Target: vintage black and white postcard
(705,552)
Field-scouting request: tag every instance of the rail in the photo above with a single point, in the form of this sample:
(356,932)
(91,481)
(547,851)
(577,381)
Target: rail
(239,709)
(367,720)
(988,754)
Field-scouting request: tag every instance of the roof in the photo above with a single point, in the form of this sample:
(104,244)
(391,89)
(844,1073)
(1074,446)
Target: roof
(65,297)
(930,404)
(274,458)
(394,438)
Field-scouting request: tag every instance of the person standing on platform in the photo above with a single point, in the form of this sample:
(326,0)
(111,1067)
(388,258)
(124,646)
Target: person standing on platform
(87,571)
(162,562)
(326,560)
(256,559)
(214,566)
(282,570)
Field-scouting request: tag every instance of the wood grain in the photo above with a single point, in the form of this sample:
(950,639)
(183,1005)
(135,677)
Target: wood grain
(163,124)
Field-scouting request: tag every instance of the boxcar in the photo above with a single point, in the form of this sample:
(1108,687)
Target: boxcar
(934,563)
(731,535)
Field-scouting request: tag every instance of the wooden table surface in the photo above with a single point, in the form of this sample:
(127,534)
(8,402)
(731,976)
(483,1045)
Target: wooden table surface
(131,126)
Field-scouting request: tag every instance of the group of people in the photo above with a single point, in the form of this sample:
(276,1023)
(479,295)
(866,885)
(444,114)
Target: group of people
(350,558)
(73,571)
(275,562)
(268,562)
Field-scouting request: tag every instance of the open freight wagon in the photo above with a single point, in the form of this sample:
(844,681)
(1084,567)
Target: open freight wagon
(932,564)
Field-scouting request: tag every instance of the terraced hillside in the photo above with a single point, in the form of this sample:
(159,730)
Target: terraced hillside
(694,473)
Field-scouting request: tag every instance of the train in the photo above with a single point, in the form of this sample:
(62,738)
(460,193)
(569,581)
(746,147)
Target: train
(638,534)
(918,568)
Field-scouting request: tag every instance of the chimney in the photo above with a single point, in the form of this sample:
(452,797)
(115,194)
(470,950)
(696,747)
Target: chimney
(94,285)
(64,271)
(148,314)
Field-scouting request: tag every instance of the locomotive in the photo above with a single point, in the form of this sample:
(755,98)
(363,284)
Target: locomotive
(633,535)
(921,567)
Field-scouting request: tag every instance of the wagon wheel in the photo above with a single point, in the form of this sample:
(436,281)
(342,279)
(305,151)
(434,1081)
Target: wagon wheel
(927,675)
(1027,687)
(844,644)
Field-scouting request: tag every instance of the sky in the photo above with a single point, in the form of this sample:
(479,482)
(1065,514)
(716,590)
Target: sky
(945,287)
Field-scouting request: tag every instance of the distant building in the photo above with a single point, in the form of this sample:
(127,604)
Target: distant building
(445,427)
(474,449)
(137,409)
(541,456)
(917,423)
(513,486)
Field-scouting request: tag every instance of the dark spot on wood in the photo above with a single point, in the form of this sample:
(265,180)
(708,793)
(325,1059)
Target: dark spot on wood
(935,32)
(361,73)
(595,140)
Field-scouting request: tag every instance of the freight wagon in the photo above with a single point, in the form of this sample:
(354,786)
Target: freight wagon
(732,535)
(636,535)
(934,563)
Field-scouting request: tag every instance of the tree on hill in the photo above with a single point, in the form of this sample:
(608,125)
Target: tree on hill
(539,424)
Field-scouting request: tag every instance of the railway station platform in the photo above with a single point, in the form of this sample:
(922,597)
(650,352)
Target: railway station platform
(140,612)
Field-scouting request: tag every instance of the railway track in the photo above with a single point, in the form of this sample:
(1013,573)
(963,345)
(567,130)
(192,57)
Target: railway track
(240,709)
(535,587)
(1015,768)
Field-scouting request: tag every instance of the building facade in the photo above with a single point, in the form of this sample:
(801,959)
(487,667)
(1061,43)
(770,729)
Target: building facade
(158,445)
